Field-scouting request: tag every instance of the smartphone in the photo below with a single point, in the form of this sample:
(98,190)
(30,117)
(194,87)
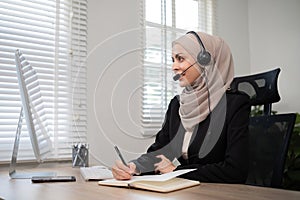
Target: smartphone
(45,179)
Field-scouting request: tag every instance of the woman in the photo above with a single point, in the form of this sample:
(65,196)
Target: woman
(206,126)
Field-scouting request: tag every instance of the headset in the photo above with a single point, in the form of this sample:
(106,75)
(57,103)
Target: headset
(203,57)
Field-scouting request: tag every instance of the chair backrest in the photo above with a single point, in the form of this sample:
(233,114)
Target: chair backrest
(261,88)
(269,135)
(268,145)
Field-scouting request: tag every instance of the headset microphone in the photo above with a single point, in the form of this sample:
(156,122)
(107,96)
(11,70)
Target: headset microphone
(177,76)
(203,57)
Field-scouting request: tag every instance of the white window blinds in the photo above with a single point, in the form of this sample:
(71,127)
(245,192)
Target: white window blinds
(52,36)
(164,21)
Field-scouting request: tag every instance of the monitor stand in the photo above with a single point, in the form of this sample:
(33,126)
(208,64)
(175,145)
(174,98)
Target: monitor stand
(12,169)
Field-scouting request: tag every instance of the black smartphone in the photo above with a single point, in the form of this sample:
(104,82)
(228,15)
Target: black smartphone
(45,179)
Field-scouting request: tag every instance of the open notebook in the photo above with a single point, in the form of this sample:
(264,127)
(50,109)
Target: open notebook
(159,183)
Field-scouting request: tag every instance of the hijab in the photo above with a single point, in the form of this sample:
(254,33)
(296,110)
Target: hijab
(202,96)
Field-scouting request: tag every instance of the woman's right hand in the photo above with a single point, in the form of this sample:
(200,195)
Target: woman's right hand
(123,172)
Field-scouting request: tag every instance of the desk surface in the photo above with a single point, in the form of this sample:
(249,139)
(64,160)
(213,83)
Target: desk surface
(20,189)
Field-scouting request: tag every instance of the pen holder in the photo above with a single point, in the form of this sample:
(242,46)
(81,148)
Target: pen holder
(80,155)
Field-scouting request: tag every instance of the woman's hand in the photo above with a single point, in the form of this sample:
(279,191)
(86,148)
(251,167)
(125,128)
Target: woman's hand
(123,172)
(164,166)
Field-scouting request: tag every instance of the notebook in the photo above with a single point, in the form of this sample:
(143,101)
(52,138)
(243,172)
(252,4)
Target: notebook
(159,183)
(95,173)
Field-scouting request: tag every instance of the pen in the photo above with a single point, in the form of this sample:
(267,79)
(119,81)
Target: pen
(120,155)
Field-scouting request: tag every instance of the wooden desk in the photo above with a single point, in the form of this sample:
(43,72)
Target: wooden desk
(19,189)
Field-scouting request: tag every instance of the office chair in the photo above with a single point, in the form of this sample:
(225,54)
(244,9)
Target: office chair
(269,134)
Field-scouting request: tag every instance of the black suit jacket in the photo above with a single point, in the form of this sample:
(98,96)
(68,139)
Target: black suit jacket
(224,159)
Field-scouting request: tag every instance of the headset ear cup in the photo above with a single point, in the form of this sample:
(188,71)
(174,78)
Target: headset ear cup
(203,58)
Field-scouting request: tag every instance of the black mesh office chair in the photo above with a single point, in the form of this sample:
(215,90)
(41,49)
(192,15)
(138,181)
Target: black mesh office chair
(269,134)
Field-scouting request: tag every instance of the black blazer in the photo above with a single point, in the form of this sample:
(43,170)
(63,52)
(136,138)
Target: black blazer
(227,159)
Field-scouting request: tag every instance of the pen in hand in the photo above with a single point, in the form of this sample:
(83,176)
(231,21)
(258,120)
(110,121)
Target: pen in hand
(120,155)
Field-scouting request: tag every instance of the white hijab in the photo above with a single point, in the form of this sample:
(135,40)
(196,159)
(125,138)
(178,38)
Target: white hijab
(202,96)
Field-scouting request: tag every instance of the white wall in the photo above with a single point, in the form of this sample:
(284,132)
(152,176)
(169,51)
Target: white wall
(274,30)
(232,25)
(261,33)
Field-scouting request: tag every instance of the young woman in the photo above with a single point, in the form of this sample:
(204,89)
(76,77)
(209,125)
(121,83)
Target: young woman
(206,126)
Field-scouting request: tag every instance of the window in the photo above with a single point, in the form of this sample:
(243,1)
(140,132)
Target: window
(164,21)
(52,36)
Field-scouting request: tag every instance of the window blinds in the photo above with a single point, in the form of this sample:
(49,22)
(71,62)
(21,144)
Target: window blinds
(52,36)
(163,21)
